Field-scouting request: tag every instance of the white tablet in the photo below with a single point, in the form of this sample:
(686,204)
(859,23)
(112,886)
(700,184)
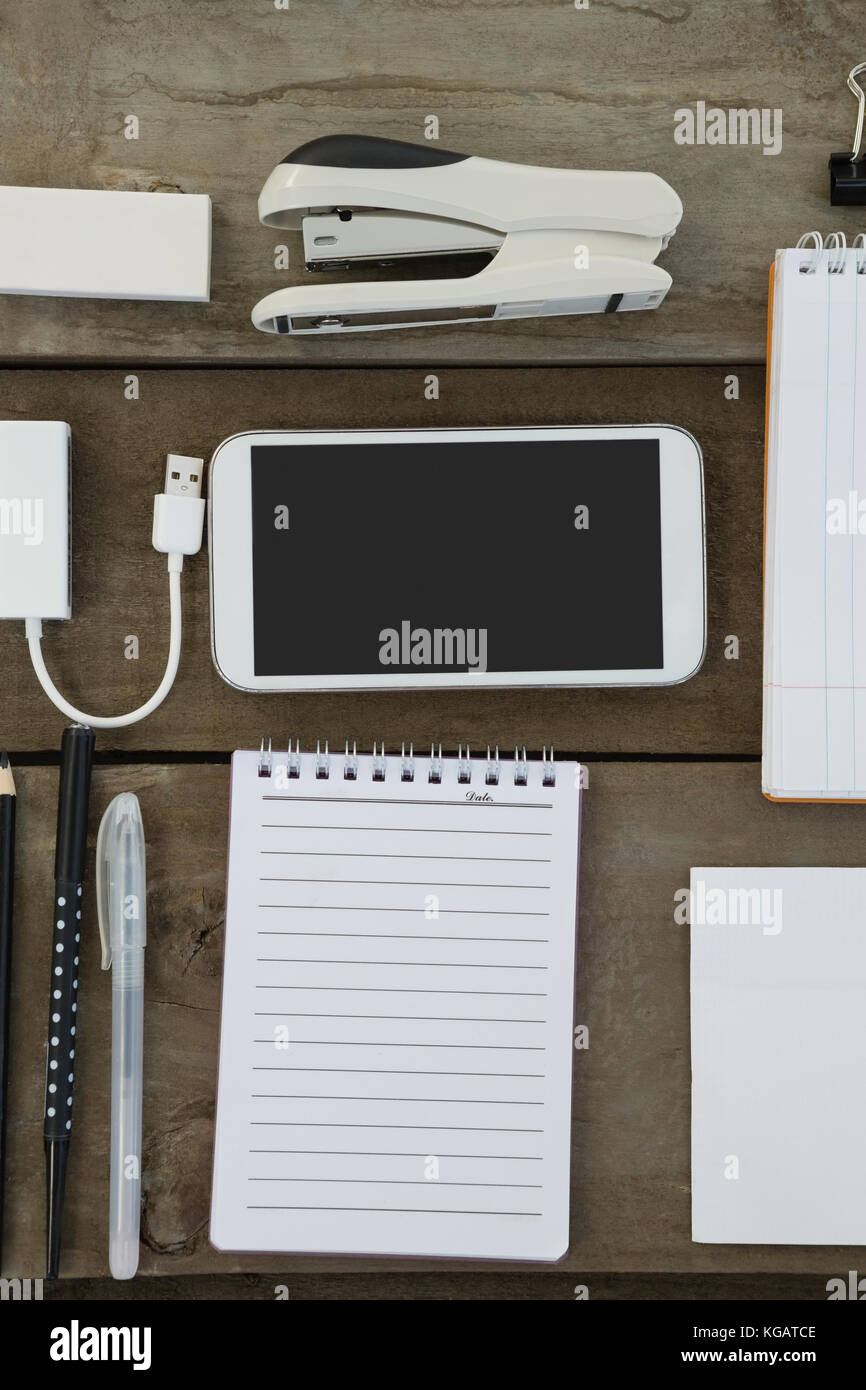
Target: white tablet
(447,558)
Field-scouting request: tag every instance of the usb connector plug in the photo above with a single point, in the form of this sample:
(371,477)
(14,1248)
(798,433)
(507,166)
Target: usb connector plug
(178,512)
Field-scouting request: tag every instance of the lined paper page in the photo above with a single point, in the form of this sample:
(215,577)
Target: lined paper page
(397,1019)
(840,546)
(858,594)
(815,577)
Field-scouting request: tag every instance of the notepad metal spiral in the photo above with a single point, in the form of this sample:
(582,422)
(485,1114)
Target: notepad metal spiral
(835,244)
(410,767)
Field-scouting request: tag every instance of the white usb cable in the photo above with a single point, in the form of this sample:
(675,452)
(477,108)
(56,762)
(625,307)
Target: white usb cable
(178,524)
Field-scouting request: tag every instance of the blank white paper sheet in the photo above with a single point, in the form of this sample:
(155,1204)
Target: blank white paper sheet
(778,1009)
(397,1015)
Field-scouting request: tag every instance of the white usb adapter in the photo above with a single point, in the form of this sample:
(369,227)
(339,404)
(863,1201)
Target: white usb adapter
(35,578)
(35,556)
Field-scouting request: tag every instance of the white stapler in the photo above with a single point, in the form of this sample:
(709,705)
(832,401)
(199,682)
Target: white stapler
(557,241)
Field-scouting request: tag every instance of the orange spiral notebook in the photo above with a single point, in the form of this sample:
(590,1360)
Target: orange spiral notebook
(814,727)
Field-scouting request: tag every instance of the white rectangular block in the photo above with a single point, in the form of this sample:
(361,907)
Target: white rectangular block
(778,1010)
(98,244)
(34,519)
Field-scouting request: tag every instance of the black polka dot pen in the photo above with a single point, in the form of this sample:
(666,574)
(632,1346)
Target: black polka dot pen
(76,757)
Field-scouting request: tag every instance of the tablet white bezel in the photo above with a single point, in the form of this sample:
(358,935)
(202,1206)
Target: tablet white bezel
(683,561)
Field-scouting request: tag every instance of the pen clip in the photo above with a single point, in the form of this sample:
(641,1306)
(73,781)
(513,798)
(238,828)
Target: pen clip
(103,889)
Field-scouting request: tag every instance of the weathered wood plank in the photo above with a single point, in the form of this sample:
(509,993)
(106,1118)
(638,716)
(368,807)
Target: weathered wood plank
(120,587)
(477,1285)
(645,825)
(223,91)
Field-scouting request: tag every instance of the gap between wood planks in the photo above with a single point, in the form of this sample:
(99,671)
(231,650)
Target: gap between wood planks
(121,757)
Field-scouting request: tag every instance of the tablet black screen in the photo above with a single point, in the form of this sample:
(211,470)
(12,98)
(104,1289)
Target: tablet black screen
(511,556)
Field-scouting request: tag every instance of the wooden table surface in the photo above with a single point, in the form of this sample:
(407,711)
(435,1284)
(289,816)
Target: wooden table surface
(222,93)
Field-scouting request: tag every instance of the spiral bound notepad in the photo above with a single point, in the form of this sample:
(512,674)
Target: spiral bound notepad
(397,1015)
(814,739)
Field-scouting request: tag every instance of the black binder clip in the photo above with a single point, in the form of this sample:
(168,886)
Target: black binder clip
(848,170)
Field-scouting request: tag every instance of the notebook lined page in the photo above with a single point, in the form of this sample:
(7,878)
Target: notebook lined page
(858,589)
(397,1018)
(815,579)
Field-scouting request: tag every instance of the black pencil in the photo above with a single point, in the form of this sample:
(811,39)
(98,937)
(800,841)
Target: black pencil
(76,757)
(7,864)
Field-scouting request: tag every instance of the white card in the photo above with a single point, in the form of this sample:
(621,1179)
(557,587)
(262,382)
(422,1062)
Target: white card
(778,1006)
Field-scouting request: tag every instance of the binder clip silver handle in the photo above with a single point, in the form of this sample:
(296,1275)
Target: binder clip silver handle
(858,92)
(848,169)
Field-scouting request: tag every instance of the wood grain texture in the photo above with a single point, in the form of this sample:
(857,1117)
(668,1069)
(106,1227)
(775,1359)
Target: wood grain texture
(223,91)
(548,1286)
(120,585)
(645,825)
